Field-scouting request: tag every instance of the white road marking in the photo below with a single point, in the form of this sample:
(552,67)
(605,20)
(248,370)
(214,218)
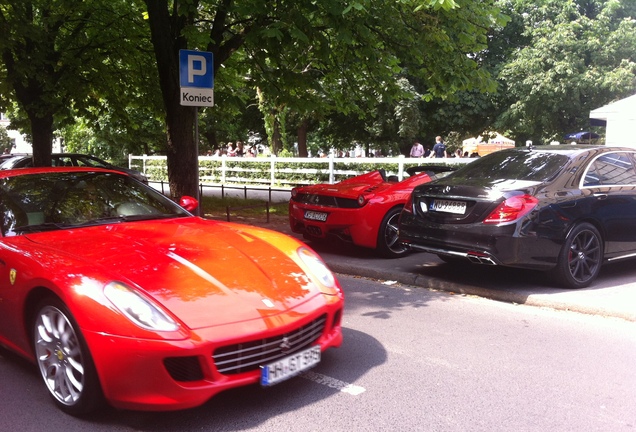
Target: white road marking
(342,386)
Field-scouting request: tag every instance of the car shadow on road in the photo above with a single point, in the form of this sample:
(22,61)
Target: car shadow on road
(611,294)
(497,277)
(248,407)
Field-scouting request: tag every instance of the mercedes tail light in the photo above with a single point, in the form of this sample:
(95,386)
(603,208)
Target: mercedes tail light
(512,209)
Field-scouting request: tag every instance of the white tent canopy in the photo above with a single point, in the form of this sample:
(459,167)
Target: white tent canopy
(481,147)
(620,117)
(497,139)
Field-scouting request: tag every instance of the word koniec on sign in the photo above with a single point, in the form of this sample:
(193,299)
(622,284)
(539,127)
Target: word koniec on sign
(197,97)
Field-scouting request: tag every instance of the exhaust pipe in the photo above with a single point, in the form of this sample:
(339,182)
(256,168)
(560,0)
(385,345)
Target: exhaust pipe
(479,259)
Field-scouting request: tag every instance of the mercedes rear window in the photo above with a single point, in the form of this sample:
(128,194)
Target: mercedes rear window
(514,165)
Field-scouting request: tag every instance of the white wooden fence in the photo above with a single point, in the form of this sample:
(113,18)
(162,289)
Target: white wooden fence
(274,172)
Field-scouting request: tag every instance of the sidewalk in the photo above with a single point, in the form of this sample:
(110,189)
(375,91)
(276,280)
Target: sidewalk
(604,298)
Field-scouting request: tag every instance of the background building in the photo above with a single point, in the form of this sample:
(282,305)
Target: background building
(620,120)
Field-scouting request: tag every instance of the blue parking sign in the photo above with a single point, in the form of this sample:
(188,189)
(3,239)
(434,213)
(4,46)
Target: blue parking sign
(196,69)
(196,77)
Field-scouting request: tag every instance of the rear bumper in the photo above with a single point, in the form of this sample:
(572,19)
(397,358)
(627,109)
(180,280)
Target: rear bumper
(351,225)
(512,245)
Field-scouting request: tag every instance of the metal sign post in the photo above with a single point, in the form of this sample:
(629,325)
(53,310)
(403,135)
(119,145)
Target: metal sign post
(196,77)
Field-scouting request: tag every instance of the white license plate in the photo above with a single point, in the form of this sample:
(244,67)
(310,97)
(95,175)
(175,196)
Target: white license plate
(289,366)
(317,216)
(456,207)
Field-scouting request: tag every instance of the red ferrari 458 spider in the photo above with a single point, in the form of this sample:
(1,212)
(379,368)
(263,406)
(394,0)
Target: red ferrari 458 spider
(363,210)
(120,295)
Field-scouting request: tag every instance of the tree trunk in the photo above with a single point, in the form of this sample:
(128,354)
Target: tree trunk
(182,157)
(277,144)
(302,138)
(31,94)
(42,136)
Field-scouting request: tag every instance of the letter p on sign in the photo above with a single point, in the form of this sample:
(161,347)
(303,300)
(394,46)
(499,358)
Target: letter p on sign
(196,67)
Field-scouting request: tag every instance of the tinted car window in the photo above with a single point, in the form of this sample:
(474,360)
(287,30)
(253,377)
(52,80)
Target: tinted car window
(14,162)
(513,165)
(611,169)
(91,162)
(61,161)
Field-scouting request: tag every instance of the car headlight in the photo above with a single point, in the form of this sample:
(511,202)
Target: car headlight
(318,269)
(138,309)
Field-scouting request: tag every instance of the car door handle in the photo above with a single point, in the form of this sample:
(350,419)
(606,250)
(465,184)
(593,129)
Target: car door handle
(600,196)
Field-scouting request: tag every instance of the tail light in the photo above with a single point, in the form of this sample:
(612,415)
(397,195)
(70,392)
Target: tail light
(408,206)
(512,209)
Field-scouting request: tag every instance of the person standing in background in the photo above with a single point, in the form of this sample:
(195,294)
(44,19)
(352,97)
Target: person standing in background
(417,150)
(439,149)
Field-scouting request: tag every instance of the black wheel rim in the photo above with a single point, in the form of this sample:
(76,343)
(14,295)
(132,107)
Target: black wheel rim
(391,235)
(584,256)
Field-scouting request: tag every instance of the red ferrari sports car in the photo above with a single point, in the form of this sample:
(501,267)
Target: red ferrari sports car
(363,210)
(120,295)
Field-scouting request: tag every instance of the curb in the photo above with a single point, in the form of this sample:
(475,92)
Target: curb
(537,300)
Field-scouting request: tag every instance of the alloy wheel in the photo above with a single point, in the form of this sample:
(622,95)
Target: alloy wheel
(584,256)
(59,355)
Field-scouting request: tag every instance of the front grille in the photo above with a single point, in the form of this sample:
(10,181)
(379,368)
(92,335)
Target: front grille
(248,356)
(326,200)
(184,368)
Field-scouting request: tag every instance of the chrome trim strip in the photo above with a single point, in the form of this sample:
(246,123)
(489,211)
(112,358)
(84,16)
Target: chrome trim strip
(631,255)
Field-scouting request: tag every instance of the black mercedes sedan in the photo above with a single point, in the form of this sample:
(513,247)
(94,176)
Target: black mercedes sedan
(562,209)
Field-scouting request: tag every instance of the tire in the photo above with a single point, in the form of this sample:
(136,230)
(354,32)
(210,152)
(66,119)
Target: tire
(580,258)
(388,245)
(63,359)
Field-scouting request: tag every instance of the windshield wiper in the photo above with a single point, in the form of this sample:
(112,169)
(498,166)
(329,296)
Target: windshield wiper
(48,226)
(51,226)
(126,218)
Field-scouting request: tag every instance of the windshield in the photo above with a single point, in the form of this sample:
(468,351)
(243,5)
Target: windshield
(513,165)
(48,201)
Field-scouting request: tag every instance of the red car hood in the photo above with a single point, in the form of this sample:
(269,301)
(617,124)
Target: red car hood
(206,273)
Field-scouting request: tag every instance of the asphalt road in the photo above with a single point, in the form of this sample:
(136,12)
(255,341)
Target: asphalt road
(412,360)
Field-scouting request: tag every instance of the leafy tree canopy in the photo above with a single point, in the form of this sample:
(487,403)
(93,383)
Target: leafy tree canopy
(580,55)
(63,59)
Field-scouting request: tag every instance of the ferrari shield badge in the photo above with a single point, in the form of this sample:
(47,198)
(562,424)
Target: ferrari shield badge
(12,275)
